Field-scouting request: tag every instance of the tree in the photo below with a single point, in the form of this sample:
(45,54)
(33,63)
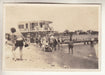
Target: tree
(66,32)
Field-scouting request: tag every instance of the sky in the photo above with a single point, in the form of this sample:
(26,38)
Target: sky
(70,17)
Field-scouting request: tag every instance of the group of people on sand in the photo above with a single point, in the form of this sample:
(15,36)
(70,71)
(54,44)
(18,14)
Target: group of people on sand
(48,43)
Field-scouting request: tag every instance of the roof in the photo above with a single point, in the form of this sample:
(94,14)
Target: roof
(40,21)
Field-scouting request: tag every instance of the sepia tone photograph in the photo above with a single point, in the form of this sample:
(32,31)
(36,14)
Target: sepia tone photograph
(51,37)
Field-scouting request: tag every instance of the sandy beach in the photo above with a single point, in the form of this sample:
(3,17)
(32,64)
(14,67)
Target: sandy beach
(34,58)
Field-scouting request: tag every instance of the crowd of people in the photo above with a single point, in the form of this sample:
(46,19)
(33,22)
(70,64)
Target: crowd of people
(47,43)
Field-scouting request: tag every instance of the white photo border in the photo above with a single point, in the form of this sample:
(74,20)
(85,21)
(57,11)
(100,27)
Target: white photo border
(102,2)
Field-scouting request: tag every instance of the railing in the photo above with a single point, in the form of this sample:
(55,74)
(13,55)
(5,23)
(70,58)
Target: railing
(79,41)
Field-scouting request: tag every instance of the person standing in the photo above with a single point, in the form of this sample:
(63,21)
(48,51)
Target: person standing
(36,40)
(92,42)
(70,46)
(17,41)
(43,43)
(55,44)
(39,40)
(51,42)
(96,49)
(58,43)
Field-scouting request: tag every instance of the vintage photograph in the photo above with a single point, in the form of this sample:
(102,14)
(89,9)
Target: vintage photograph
(51,36)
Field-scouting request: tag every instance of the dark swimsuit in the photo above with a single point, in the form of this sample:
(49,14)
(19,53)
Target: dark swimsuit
(19,43)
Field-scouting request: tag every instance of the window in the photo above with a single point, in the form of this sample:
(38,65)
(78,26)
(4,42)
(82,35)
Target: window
(46,27)
(26,25)
(41,25)
(21,26)
(33,25)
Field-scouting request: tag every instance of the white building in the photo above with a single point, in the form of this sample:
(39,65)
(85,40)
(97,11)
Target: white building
(32,29)
(35,26)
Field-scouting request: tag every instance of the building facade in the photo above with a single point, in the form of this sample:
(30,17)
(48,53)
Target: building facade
(31,30)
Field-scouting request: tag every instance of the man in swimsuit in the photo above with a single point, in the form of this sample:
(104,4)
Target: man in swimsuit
(17,41)
(70,46)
